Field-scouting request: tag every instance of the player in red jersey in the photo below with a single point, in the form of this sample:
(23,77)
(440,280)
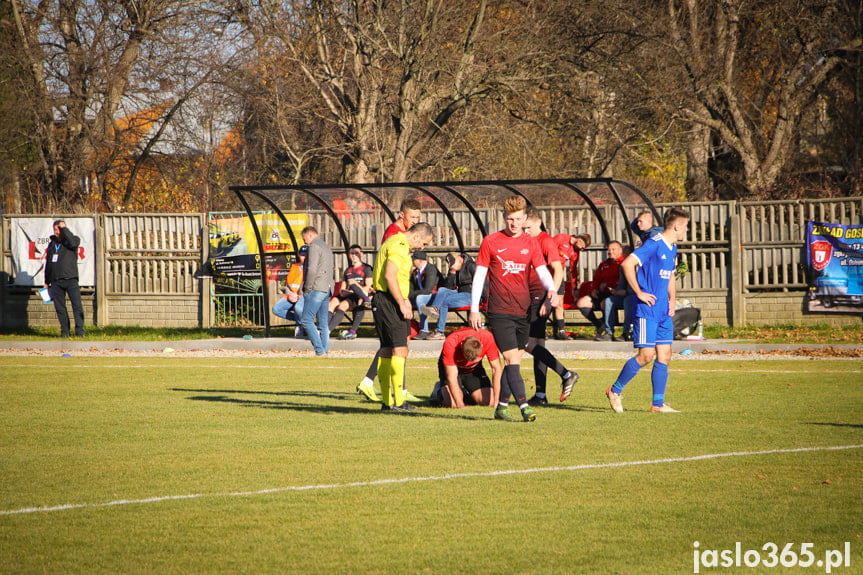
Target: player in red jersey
(569,247)
(409,214)
(462,378)
(506,258)
(539,310)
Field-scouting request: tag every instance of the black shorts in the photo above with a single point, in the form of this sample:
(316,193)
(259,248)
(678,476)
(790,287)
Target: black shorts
(537,322)
(469,382)
(509,331)
(350,297)
(393,329)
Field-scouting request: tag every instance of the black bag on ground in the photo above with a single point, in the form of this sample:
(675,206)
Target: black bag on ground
(685,321)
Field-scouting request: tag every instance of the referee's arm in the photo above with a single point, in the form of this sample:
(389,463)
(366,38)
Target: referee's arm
(391,274)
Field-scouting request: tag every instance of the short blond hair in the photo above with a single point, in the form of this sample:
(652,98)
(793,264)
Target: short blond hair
(514,204)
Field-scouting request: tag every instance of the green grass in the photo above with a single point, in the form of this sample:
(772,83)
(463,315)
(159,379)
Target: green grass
(88,431)
(790,333)
(129,333)
(779,333)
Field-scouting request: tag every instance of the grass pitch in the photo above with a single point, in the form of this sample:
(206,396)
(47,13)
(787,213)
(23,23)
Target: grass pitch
(168,465)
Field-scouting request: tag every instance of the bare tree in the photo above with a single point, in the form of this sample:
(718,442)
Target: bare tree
(92,63)
(751,71)
(392,75)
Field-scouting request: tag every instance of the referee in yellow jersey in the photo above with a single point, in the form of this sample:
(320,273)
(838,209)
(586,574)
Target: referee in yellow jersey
(392,310)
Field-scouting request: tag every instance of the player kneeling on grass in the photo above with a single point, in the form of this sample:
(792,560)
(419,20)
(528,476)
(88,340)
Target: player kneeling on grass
(463,380)
(655,295)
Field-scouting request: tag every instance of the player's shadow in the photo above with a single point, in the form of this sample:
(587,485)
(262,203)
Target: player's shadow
(339,396)
(575,407)
(220,396)
(854,425)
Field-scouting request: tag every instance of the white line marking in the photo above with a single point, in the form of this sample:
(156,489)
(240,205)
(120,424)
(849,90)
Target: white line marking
(434,367)
(583,467)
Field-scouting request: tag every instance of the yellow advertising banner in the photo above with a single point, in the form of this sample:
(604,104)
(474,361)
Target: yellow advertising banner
(274,235)
(234,236)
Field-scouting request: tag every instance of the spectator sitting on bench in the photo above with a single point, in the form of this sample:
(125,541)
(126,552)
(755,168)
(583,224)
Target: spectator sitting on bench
(454,294)
(290,307)
(354,293)
(592,293)
(621,298)
(424,282)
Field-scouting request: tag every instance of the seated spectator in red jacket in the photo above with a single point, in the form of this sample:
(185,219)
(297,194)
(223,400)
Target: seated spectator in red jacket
(592,293)
(463,380)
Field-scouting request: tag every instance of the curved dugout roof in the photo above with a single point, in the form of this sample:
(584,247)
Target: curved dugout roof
(338,200)
(341,200)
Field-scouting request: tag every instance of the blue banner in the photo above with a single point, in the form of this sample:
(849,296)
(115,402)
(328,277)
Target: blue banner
(834,257)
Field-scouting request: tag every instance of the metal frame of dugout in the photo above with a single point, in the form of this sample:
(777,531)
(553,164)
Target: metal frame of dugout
(592,192)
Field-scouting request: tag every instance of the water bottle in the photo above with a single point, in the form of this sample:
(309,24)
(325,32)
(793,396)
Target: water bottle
(700,330)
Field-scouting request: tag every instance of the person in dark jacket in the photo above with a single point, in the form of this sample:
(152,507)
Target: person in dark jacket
(425,278)
(61,277)
(454,294)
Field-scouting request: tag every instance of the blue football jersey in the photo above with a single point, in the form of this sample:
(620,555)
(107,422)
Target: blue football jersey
(658,261)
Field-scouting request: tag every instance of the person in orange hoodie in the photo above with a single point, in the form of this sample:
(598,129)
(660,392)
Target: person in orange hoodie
(290,306)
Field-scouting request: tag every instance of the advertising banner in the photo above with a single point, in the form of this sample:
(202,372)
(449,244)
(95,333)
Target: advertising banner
(234,251)
(235,236)
(30,240)
(834,255)
(274,235)
(248,267)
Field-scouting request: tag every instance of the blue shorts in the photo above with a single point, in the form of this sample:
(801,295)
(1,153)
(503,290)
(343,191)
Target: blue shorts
(647,333)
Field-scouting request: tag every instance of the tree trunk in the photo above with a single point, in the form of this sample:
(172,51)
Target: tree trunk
(698,184)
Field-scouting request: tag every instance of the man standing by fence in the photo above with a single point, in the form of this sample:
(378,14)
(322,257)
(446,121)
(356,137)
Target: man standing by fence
(61,277)
(317,288)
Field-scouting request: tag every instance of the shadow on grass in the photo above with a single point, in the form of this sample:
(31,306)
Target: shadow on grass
(573,407)
(426,411)
(854,425)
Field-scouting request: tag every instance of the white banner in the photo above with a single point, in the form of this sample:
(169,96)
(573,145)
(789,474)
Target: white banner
(30,239)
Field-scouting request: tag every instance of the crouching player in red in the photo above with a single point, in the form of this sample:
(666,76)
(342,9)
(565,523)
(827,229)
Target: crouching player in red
(463,380)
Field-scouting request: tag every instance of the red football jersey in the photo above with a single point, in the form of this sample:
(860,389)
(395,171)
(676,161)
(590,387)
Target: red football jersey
(567,252)
(550,254)
(392,230)
(508,260)
(452,354)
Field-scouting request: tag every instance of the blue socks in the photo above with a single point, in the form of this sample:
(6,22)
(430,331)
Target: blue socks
(630,369)
(659,378)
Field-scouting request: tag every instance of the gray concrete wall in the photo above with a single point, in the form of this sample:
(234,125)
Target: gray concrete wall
(24,308)
(155,310)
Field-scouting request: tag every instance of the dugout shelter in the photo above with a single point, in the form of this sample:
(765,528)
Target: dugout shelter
(462,213)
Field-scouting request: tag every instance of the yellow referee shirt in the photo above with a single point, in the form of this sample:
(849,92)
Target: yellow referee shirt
(397,250)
